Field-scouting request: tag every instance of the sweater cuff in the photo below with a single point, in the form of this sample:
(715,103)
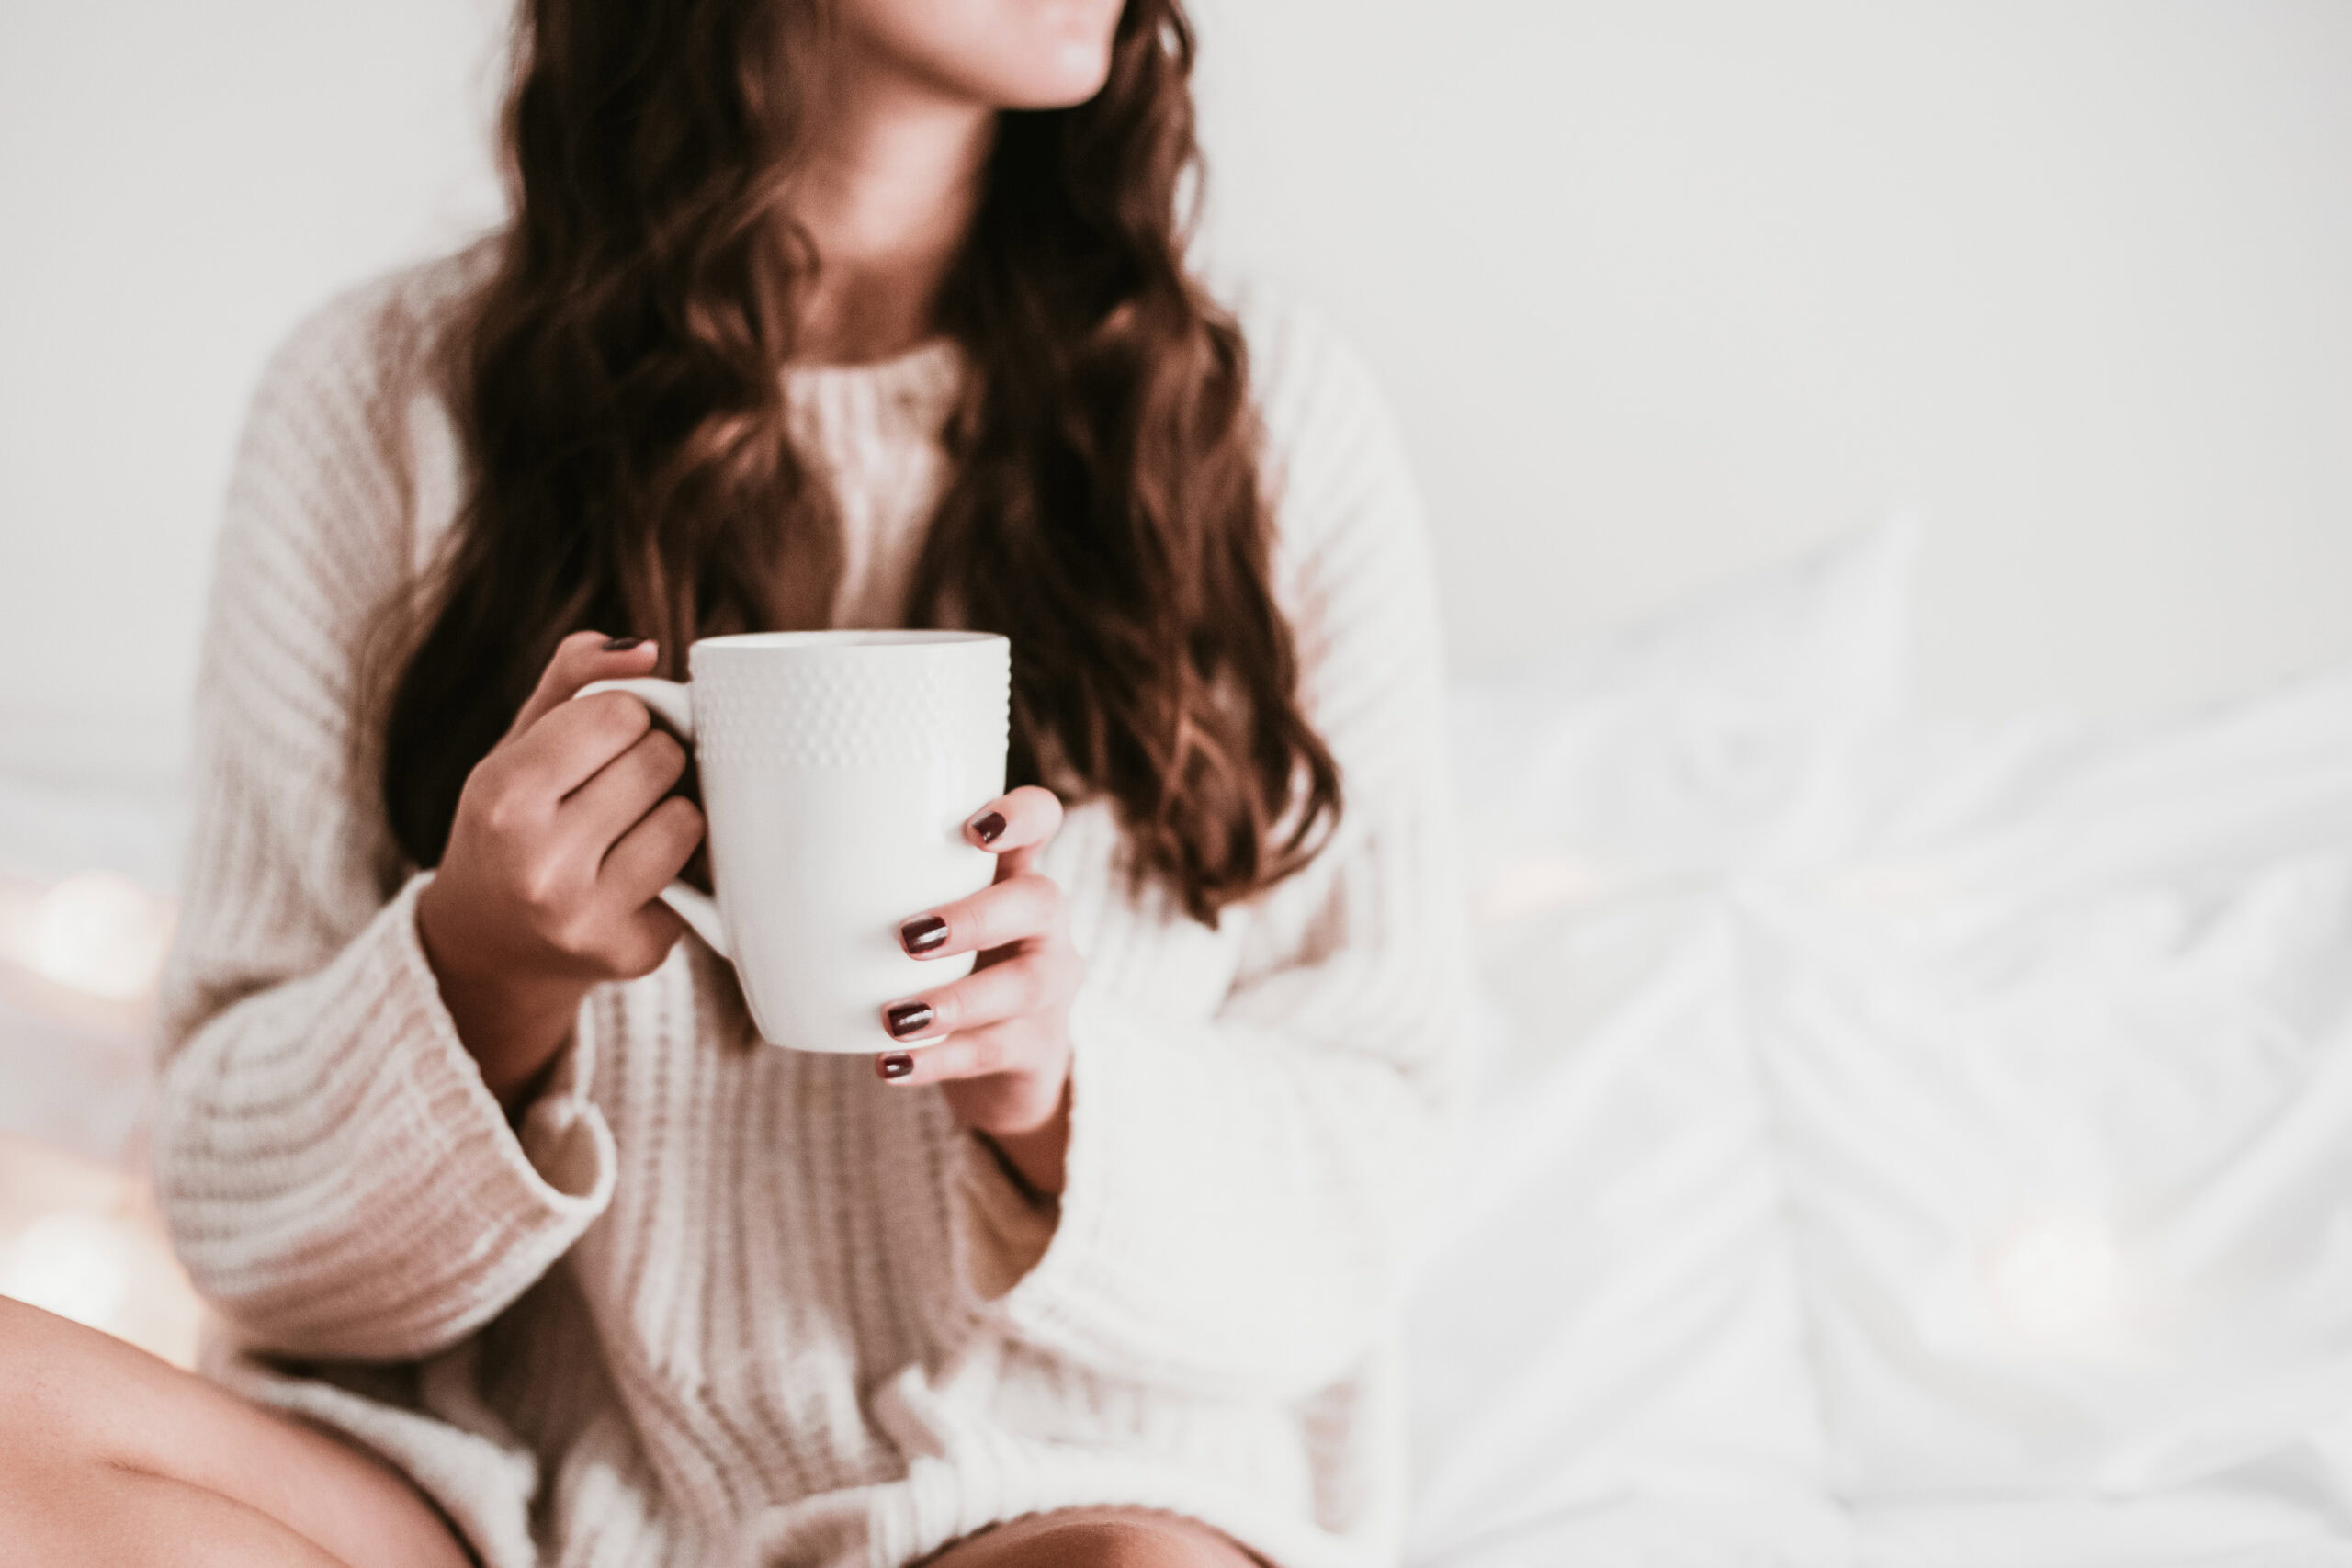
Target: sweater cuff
(549,1168)
(390,1209)
(1005,1230)
(1237,1206)
(1069,1298)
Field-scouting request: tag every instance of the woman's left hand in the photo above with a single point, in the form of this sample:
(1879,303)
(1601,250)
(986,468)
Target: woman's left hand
(1002,1033)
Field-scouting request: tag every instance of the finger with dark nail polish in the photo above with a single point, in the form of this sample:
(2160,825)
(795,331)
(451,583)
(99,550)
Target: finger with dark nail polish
(988,827)
(894,1064)
(922,933)
(621,644)
(907,1020)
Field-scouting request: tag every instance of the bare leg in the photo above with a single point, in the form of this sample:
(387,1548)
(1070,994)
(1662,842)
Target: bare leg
(108,1456)
(1097,1538)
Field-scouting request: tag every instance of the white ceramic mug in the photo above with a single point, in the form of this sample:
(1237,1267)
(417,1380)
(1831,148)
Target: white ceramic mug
(837,769)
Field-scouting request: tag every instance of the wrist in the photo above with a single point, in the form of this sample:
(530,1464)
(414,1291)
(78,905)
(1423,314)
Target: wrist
(1036,1157)
(511,1022)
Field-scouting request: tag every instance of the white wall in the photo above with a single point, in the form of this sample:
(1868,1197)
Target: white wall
(180,180)
(1658,288)
(1661,286)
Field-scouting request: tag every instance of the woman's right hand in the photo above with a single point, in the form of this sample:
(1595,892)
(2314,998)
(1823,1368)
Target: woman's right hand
(564,836)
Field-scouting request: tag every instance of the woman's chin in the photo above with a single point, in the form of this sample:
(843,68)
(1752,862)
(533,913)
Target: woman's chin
(1077,81)
(1057,71)
(1011,54)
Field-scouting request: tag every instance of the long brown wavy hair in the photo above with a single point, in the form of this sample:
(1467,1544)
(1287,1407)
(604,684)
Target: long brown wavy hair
(616,381)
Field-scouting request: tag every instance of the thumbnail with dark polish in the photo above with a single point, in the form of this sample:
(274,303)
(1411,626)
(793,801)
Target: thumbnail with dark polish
(621,644)
(986,828)
(922,933)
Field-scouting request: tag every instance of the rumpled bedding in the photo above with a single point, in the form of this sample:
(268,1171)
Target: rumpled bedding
(1940,1154)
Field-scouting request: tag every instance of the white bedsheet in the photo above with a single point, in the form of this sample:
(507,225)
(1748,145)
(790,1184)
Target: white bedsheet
(1954,1166)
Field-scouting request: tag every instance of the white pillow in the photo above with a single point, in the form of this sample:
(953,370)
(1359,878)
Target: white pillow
(1689,745)
(1607,1339)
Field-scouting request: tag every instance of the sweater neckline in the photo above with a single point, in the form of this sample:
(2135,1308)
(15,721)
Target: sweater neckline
(927,368)
(906,397)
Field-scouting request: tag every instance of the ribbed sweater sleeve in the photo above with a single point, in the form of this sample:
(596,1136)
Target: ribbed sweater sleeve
(1243,1191)
(336,1175)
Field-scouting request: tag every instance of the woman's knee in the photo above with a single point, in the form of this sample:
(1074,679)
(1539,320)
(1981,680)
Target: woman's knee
(67,1444)
(1122,1538)
(53,1374)
(95,1430)
(1102,1543)
(85,1510)
(71,1392)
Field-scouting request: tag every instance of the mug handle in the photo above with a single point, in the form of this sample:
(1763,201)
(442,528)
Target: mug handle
(673,710)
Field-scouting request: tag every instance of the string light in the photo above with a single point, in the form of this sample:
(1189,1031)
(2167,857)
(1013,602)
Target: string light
(76,1266)
(95,932)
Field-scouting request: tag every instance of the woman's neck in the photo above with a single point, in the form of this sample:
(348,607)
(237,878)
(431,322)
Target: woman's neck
(886,200)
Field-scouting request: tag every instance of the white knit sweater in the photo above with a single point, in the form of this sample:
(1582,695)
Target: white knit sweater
(721,1302)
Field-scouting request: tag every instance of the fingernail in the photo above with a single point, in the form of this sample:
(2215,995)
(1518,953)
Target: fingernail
(895,1065)
(987,826)
(907,1019)
(922,933)
(621,644)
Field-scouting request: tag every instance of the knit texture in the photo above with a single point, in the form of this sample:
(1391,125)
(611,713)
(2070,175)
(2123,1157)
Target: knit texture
(711,1301)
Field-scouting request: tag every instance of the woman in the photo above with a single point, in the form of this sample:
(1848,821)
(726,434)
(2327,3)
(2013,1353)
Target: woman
(864,314)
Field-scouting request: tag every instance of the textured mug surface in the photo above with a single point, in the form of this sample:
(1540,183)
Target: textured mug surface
(837,772)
